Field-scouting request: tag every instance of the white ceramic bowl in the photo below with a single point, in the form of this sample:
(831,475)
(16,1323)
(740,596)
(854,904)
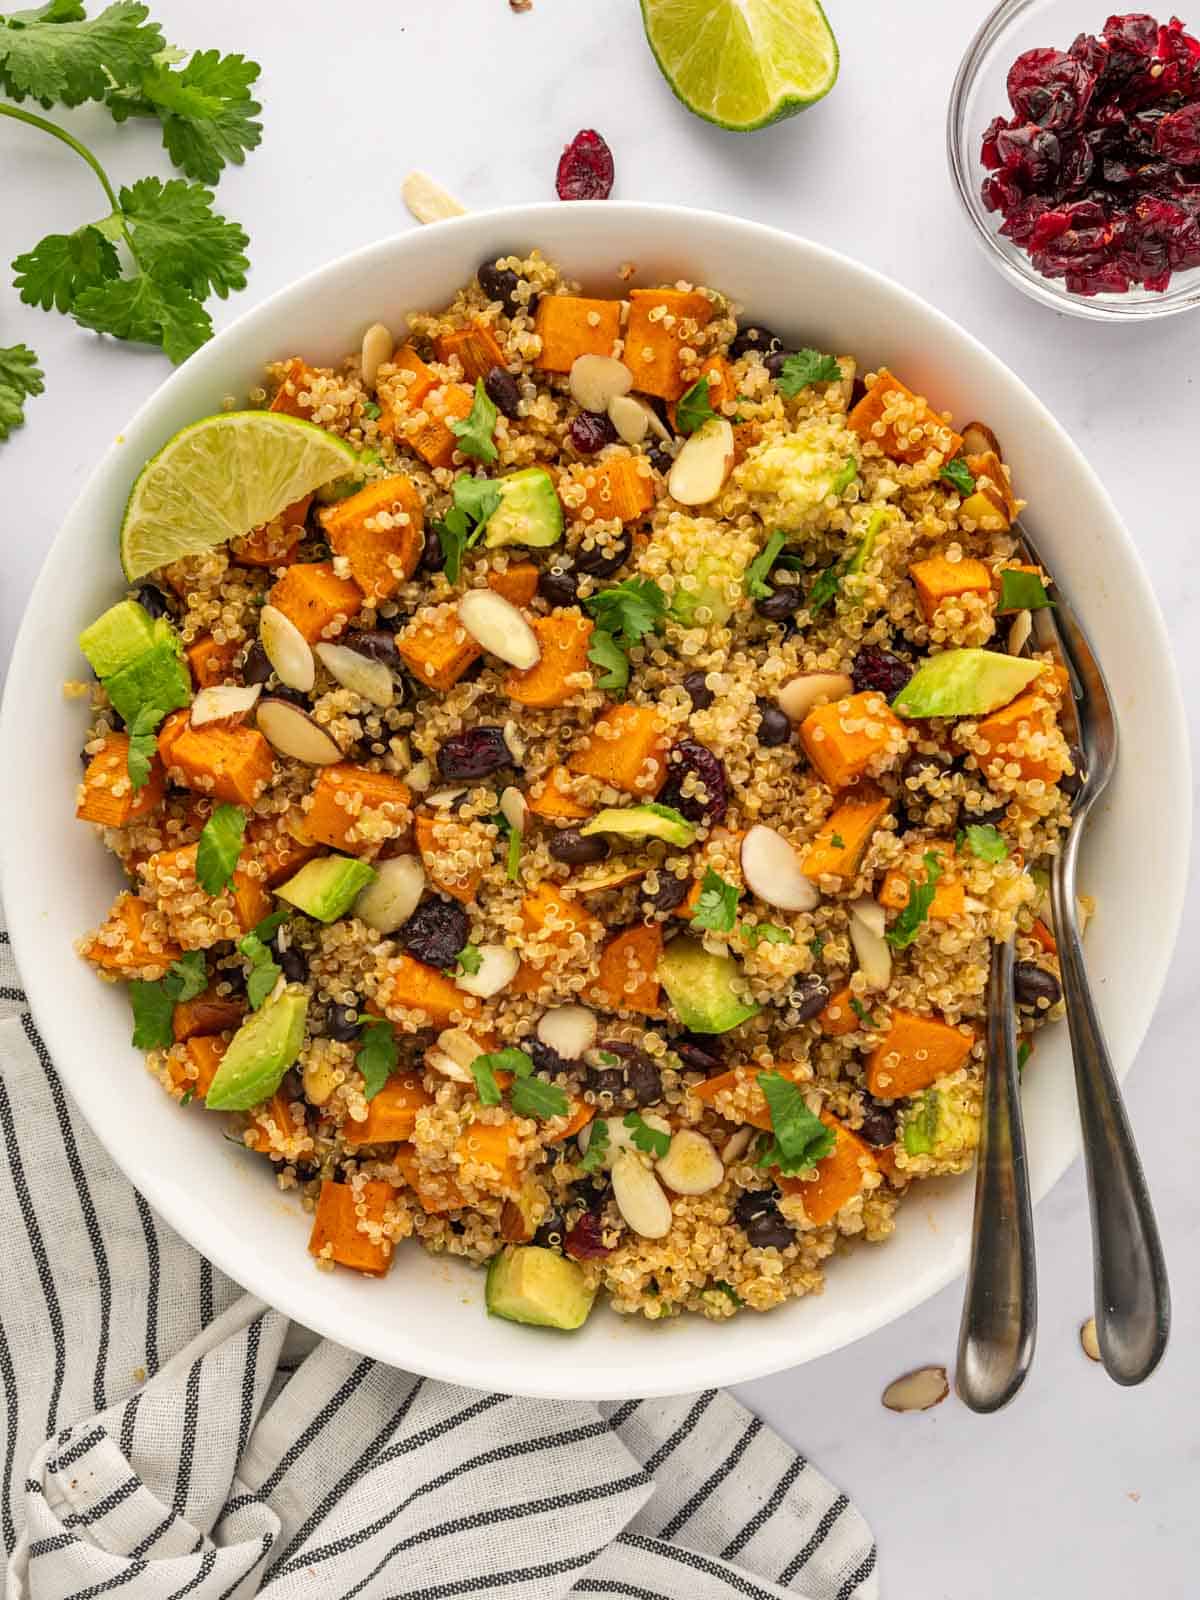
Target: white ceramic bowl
(428,1314)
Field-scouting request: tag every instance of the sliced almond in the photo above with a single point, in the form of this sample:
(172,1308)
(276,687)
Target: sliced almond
(514,742)
(978,439)
(427,200)
(387,904)
(917,1391)
(737,1144)
(801,695)
(772,871)
(377,347)
(496,625)
(629,418)
(691,1164)
(595,380)
(287,649)
(657,426)
(601,879)
(568,1031)
(1089,1340)
(639,1196)
(513,808)
(453,1054)
(293,732)
(619,1136)
(700,469)
(872,949)
(498,967)
(1020,632)
(223,701)
(358,673)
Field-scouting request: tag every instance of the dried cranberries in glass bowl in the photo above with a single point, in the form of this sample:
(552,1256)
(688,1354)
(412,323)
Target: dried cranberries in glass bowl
(1074,142)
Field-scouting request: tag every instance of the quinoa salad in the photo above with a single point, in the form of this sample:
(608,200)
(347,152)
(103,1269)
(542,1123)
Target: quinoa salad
(571,835)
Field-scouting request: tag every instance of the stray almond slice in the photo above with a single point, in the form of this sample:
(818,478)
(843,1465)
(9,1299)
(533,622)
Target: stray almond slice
(498,967)
(498,627)
(870,946)
(288,651)
(1089,1340)
(773,872)
(371,680)
(427,200)
(568,1031)
(629,417)
(917,1391)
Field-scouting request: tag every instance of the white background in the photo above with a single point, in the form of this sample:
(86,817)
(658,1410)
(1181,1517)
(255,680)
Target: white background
(1079,1489)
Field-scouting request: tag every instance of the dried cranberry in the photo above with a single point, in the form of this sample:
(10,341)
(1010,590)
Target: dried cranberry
(590,431)
(585,1240)
(436,932)
(1137,32)
(690,756)
(774,726)
(1031,154)
(671,892)
(585,168)
(153,601)
(809,996)
(1177,136)
(501,389)
(881,670)
(1049,87)
(575,849)
(477,753)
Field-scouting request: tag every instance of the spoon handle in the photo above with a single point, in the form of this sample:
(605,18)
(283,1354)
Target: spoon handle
(999,1320)
(1132,1295)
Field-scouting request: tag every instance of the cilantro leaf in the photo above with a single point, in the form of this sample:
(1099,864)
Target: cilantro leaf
(756,933)
(837,841)
(863,1015)
(20,379)
(62,265)
(844,476)
(179,239)
(716,909)
(754,581)
(143,745)
(727,1289)
(1024,1051)
(188,976)
(694,406)
(920,897)
(207,115)
(484,1069)
(219,848)
(630,609)
(1022,591)
(478,497)
(598,1142)
(805,367)
(474,501)
(376,1056)
(372,411)
(153,1009)
(985,841)
(604,651)
(146,313)
(474,431)
(958,474)
(826,587)
(264,975)
(533,1097)
(817,946)
(486,1086)
(264,969)
(801,1139)
(469,959)
(652,1141)
(58,54)
(921,1130)
(453,531)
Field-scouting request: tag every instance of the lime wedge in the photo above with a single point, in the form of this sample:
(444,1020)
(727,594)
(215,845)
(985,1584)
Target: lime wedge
(221,477)
(743,63)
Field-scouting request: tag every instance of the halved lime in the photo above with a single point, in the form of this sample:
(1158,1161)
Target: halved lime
(220,478)
(743,63)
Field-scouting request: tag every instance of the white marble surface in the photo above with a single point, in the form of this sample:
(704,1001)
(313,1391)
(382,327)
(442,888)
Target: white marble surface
(1079,1488)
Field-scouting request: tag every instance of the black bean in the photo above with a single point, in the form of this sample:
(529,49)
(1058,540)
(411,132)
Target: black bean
(558,586)
(643,1080)
(809,995)
(607,1081)
(551,1231)
(570,847)
(1071,782)
(752,1203)
(699,1052)
(589,1194)
(769,1231)
(293,964)
(781,605)
(292,696)
(545,1058)
(699,693)
(987,814)
(477,753)
(499,283)
(152,599)
(344,1023)
(433,557)
(879,1124)
(689,755)
(502,390)
(256,668)
(920,766)
(774,361)
(436,932)
(774,726)
(671,892)
(602,563)
(753,337)
(377,644)
(661,460)
(1032,984)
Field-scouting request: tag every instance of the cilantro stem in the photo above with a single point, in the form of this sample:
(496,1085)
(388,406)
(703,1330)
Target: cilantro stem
(68,139)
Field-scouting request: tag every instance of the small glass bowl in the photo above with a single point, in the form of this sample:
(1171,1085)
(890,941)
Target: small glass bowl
(979,94)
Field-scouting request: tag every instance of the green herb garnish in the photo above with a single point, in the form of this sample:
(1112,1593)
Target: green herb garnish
(805,367)
(826,587)
(861,1012)
(534,1097)
(694,407)
(1024,1051)
(264,970)
(219,848)
(598,1142)
(754,581)
(651,1141)
(837,841)
(469,959)
(756,933)
(376,1056)
(716,908)
(920,897)
(530,1096)
(984,840)
(726,1289)
(958,474)
(154,1002)
(801,1139)
(604,651)
(143,745)
(463,525)
(1022,591)
(20,379)
(372,411)
(629,610)
(817,946)
(474,431)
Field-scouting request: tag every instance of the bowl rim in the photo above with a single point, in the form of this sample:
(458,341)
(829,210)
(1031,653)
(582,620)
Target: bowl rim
(1013,264)
(746,1358)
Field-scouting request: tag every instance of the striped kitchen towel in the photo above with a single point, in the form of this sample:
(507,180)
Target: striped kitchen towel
(166,1435)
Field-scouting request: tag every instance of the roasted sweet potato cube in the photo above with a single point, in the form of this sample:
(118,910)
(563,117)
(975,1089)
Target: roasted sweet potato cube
(280,845)
(720,386)
(355,810)
(845,737)
(432,437)
(553,916)
(250,898)
(402,390)
(433,836)
(937,579)
(311,595)
(476,349)
(209,1012)
(436,648)
(378,530)
(488,1160)
(898,414)
(580,1115)
(274,544)
(335,1233)
(297,380)
(109,797)
(622,487)
(570,326)
(839,848)
(627,745)
(203,1054)
(392,1113)
(210,662)
(1004,737)
(840,1176)
(411,986)
(628,978)
(564,642)
(436,1192)
(518,582)
(553,800)
(913,1053)
(660,323)
(231,764)
(839,1016)
(132,941)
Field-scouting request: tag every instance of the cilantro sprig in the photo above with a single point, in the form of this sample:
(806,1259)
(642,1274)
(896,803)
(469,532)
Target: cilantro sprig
(804,368)
(756,933)
(694,407)
(20,379)
(469,959)
(153,1003)
(716,908)
(376,1055)
(143,745)
(754,581)
(959,476)
(920,897)
(529,1096)
(264,969)
(984,840)
(651,1141)
(800,1139)
(474,431)
(219,847)
(598,1143)
(624,614)
(1022,591)
(463,525)
(604,651)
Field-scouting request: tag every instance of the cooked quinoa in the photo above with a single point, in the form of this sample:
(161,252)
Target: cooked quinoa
(758,698)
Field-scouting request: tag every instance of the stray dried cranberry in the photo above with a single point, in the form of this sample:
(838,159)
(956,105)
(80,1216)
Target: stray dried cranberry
(690,756)
(585,168)
(477,753)
(585,1241)
(590,431)
(879,669)
(436,932)
(546,1059)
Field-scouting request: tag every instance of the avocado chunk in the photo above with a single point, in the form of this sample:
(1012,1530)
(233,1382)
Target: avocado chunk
(965,683)
(117,637)
(699,986)
(710,592)
(259,1054)
(529,512)
(327,887)
(649,821)
(539,1287)
(156,680)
